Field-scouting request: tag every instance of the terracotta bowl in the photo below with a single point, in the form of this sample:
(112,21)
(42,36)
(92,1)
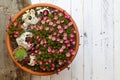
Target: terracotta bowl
(10,49)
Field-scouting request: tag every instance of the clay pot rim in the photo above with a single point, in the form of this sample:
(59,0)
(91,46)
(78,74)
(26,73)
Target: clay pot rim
(8,43)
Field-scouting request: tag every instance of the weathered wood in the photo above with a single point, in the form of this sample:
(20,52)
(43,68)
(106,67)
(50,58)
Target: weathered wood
(117,39)
(9,71)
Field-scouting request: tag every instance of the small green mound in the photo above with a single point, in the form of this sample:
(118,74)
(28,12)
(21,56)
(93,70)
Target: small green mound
(20,53)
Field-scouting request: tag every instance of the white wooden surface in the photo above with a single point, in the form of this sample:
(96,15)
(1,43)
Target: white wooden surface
(98,56)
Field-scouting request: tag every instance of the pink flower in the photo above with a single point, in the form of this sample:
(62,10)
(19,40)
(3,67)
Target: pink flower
(15,24)
(68,44)
(65,27)
(63,47)
(15,36)
(50,36)
(64,38)
(49,49)
(22,26)
(74,31)
(54,25)
(65,34)
(72,35)
(60,14)
(39,52)
(37,37)
(45,41)
(17,32)
(58,34)
(58,70)
(49,60)
(60,62)
(8,26)
(53,51)
(45,12)
(32,54)
(58,22)
(70,23)
(52,68)
(41,62)
(61,41)
(58,39)
(64,61)
(41,42)
(56,10)
(67,16)
(61,30)
(71,50)
(35,62)
(59,27)
(55,17)
(53,38)
(62,21)
(40,27)
(36,51)
(68,54)
(48,20)
(45,18)
(43,21)
(51,29)
(69,62)
(44,69)
(9,18)
(39,19)
(50,23)
(66,41)
(61,50)
(46,63)
(73,53)
(73,42)
(47,28)
(53,65)
(54,33)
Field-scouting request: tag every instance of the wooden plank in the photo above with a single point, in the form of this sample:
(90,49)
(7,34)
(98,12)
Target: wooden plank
(88,39)
(9,71)
(102,44)
(117,39)
(78,63)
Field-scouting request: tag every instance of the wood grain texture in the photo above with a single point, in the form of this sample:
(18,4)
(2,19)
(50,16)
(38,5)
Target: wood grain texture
(117,39)
(9,71)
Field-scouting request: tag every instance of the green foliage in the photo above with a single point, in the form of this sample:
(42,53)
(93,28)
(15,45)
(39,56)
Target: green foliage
(20,54)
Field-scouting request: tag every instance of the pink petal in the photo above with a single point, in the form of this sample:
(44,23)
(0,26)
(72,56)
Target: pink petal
(60,14)
(54,33)
(55,17)
(73,42)
(47,28)
(65,38)
(59,27)
(61,50)
(72,35)
(53,38)
(70,23)
(9,17)
(74,31)
(61,30)
(15,24)
(40,62)
(68,45)
(50,23)
(17,32)
(63,47)
(58,22)
(65,27)
(50,36)
(22,26)
(58,39)
(64,34)
(61,41)
(40,53)
(68,54)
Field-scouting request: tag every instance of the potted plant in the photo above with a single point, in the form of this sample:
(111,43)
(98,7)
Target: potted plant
(42,39)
